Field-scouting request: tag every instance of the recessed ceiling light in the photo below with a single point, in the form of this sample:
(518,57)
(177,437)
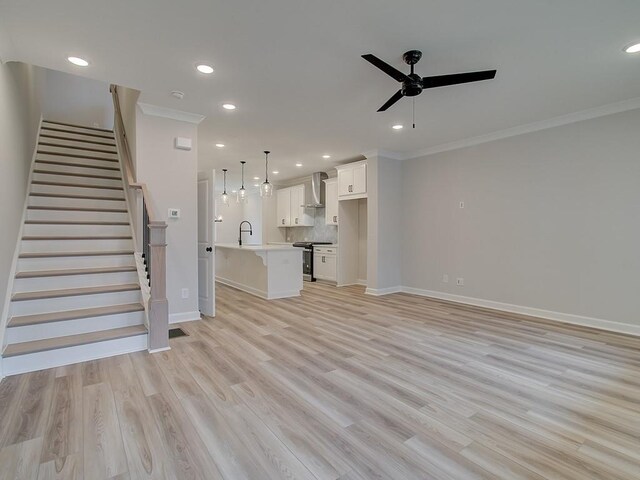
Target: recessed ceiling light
(229,106)
(298,164)
(234,191)
(398,127)
(275,172)
(220,145)
(635,48)
(256,178)
(177,94)
(326,156)
(256,184)
(203,68)
(80,62)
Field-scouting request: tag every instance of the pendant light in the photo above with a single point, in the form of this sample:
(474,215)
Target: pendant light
(225,197)
(242,192)
(266,189)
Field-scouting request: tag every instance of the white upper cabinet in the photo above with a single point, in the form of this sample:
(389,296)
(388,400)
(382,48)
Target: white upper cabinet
(283,207)
(331,201)
(352,180)
(290,207)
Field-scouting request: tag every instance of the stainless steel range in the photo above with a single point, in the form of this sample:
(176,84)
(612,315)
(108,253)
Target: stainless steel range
(307,259)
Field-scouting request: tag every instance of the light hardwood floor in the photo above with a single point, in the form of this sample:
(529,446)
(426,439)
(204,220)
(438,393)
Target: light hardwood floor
(337,385)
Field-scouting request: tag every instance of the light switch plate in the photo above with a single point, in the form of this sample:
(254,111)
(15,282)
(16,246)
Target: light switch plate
(174,213)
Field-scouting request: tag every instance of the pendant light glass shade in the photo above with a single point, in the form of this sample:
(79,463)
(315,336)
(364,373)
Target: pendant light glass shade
(225,196)
(242,192)
(266,189)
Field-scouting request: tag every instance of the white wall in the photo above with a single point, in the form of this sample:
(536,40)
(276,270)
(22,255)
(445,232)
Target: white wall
(551,221)
(362,241)
(171,176)
(233,214)
(20,108)
(73,99)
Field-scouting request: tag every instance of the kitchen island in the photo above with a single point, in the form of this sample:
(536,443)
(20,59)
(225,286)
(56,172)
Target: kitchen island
(266,271)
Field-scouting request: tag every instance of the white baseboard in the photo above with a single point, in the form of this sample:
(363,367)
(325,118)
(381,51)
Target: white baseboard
(362,282)
(582,321)
(183,317)
(377,292)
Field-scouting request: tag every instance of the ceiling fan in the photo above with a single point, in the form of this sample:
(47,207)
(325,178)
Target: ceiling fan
(413,84)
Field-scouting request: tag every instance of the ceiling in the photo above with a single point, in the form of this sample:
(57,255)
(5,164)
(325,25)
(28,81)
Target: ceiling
(294,70)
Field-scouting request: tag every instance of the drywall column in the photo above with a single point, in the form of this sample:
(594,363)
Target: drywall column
(171,176)
(384,219)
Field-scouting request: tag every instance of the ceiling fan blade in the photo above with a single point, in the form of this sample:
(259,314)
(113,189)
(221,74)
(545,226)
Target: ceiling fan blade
(385,67)
(457,78)
(397,96)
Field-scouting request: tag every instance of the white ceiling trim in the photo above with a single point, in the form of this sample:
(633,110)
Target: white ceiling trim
(385,153)
(580,116)
(157,111)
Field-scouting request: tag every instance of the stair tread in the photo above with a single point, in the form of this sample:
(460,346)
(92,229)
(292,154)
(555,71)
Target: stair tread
(39,318)
(76,209)
(72,292)
(80,197)
(74,155)
(64,184)
(77,165)
(77,147)
(77,237)
(75,254)
(72,340)
(59,129)
(72,222)
(74,271)
(78,126)
(67,139)
(71,174)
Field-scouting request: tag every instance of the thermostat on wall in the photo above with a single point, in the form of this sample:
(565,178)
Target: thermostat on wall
(174,213)
(183,143)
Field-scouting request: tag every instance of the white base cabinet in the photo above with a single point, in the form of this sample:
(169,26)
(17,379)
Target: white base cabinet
(325,263)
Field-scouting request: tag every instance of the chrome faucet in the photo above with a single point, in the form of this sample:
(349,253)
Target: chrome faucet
(240,230)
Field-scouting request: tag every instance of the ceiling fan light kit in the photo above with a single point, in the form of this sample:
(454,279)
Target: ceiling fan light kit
(413,84)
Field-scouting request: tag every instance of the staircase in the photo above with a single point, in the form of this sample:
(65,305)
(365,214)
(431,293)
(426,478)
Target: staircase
(76,293)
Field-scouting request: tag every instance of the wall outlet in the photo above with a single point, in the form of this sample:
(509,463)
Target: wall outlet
(461,204)
(460,282)
(445,278)
(185,293)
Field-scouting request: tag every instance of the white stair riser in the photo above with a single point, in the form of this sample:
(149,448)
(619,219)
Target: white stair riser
(80,129)
(74,136)
(37,246)
(76,202)
(63,304)
(50,230)
(74,142)
(38,284)
(43,331)
(70,355)
(59,263)
(73,153)
(77,161)
(79,190)
(79,169)
(74,215)
(52,177)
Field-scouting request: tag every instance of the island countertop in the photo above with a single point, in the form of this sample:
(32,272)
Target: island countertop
(257,248)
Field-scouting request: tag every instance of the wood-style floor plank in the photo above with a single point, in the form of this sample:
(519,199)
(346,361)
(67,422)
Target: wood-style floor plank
(335,385)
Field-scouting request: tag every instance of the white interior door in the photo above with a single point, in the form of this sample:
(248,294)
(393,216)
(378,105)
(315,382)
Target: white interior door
(206,248)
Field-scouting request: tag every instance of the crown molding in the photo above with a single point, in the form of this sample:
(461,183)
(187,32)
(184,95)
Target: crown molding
(384,153)
(591,113)
(157,111)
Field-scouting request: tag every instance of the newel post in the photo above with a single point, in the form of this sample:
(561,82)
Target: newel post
(158,304)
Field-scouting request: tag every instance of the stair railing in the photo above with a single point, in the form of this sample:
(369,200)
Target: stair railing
(152,230)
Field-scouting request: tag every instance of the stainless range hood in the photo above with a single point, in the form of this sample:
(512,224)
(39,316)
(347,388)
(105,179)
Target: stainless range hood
(316,199)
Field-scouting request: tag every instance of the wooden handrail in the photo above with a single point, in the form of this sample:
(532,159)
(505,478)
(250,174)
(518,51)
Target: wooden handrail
(128,166)
(156,248)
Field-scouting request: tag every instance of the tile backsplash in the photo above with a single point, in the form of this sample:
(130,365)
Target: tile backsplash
(320,232)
